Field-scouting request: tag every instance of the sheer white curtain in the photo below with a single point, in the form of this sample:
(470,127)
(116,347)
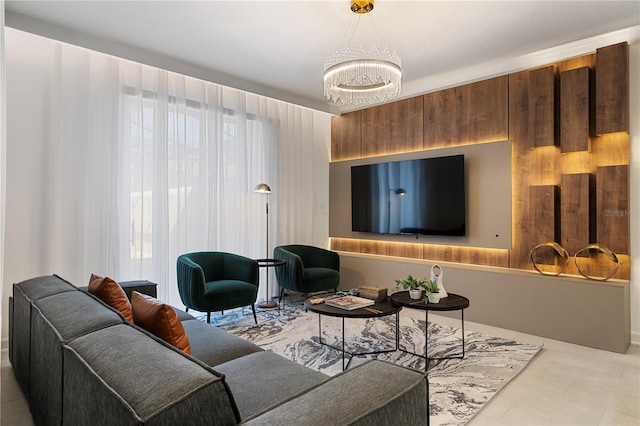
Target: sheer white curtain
(123,167)
(194,154)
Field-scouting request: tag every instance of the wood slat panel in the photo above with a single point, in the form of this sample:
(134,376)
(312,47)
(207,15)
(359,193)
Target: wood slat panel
(476,112)
(574,110)
(542,130)
(576,211)
(393,128)
(346,137)
(410,250)
(345,244)
(520,149)
(612,208)
(612,89)
(543,216)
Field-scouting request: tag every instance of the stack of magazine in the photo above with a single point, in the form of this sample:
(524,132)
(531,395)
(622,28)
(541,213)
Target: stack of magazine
(349,302)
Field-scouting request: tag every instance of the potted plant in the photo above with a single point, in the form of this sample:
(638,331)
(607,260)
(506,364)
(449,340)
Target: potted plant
(433,292)
(414,285)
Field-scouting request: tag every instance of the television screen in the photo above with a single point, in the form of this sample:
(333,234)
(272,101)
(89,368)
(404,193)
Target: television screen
(424,196)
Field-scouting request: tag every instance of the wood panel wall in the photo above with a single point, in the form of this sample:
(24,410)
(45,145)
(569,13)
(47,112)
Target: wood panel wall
(612,89)
(542,106)
(527,108)
(577,211)
(473,113)
(393,127)
(574,110)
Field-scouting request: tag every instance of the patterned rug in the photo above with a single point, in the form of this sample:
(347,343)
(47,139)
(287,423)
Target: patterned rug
(458,388)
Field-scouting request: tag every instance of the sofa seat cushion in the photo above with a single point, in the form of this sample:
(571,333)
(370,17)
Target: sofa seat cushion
(373,393)
(184,316)
(214,346)
(112,294)
(264,379)
(160,320)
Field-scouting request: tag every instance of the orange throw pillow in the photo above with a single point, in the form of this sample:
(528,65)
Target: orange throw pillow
(160,320)
(112,294)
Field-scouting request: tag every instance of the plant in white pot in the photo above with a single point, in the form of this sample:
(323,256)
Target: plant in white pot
(414,285)
(433,292)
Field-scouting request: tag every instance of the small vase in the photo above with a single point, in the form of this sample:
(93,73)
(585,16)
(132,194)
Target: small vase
(415,294)
(436,275)
(434,298)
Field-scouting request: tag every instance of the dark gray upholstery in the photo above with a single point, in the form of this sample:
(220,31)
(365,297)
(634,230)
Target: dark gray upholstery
(214,346)
(84,364)
(52,322)
(19,343)
(384,394)
(263,379)
(168,388)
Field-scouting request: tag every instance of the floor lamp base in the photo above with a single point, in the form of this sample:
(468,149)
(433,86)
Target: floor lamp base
(268,305)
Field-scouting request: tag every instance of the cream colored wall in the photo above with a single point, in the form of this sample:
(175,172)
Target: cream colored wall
(488,183)
(570,309)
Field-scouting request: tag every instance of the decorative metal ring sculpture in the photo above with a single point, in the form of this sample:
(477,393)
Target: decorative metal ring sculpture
(604,250)
(559,250)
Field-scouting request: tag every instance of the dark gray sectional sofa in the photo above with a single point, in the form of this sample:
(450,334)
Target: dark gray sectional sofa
(79,362)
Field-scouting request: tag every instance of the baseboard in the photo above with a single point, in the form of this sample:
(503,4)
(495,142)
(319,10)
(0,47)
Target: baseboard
(4,344)
(635,337)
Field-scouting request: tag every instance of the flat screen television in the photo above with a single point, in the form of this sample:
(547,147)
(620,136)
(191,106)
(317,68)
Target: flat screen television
(424,196)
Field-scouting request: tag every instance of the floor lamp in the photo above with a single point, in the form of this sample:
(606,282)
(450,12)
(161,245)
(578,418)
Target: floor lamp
(263,188)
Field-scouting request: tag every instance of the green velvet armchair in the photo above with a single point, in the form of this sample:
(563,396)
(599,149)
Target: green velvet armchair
(307,269)
(215,281)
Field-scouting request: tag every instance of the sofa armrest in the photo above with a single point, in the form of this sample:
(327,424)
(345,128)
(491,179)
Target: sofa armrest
(374,393)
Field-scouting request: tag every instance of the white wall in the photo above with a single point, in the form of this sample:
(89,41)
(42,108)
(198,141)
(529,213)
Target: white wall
(27,92)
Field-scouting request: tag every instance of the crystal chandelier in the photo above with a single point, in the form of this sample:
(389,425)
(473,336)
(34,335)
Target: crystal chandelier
(362,76)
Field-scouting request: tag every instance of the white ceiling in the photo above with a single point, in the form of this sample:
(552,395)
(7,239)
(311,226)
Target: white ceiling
(279,47)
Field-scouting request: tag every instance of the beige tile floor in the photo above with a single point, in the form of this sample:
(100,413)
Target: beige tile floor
(564,384)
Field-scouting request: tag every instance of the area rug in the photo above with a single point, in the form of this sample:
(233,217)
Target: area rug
(458,388)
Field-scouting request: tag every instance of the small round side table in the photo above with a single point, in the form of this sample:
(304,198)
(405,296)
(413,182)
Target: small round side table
(268,263)
(454,302)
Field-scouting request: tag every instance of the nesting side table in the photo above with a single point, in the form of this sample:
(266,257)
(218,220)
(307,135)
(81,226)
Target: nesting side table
(453,302)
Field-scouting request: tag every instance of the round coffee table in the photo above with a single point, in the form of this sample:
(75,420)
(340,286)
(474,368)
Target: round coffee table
(454,302)
(380,309)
